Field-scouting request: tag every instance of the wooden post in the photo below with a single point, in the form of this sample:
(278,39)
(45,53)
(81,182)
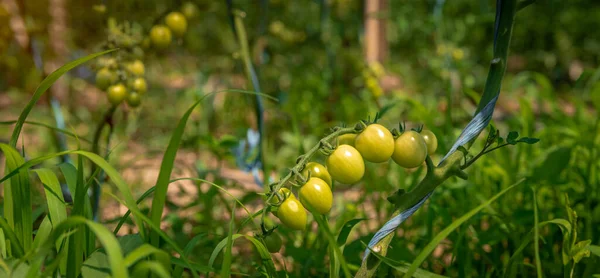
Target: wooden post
(376,46)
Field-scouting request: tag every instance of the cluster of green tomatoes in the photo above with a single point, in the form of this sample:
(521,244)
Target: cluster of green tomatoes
(122,75)
(346,164)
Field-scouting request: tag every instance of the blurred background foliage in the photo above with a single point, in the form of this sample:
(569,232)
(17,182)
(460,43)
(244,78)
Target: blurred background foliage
(310,55)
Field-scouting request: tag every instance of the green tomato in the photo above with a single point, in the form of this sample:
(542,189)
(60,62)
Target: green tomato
(410,150)
(317,195)
(317,170)
(134,99)
(160,36)
(189,10)
(273,242)
(346,165)
(105,77)
(347,139)
(177,23)
(117,93)
(136,68)
(139,85)
(430,141)
(375,143)
(292,213)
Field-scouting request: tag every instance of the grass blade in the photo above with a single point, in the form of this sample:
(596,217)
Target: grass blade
(444,233)
(262,251)
(226,267)
(339,256)
(41,89)
(17,204)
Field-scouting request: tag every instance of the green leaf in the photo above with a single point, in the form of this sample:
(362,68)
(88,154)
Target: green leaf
(346,229)
(334,267)
(262,250)
(528,140)
(339,256)
(404,267)
(594,249)
(145,268)
(17,207)
(144,251)
(511,137)
(17,248)
(41,89)
(106,238)
(96,265)
(554,164)
(226,266)
(446,231)
(580,250)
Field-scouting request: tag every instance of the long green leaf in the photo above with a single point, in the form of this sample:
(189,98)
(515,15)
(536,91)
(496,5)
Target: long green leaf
(226,266)
(41,89)
(334,265)
(144,251)
(53,128)
(262,251)
(445,232)
(106,238)
(403,267)
(144,268)
(339,256)
(17,248)
(17,206)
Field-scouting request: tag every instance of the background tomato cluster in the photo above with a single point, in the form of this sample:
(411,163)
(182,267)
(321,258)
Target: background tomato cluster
(310,57)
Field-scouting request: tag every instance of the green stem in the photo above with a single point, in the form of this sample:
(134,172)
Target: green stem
(106,120)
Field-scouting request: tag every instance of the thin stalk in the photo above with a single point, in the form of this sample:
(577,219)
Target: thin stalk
(107,119)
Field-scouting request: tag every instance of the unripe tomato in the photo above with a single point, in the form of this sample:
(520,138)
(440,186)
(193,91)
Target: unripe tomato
(160,36)
(347,139)
(177,23)
(317,170)
(375,143)
(273,242)
(410,150)
(117,93)
(189,10)
(346,165)
(317,195)
(136,68)
(430,141)
(292,213)
(105,78)
(134,99)
(139,85)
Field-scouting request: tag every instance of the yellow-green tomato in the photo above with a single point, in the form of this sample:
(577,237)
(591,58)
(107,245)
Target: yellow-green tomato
(105,77)
(346,165)
(273,242)
(347,139)
(177,23)
(375,143)
(134,99)
(189,10)
(139,85)
(410,150)
(160,36)
(430,141)
(117,93)
(292,213)
(317,195)
(136,68)
(317,170)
